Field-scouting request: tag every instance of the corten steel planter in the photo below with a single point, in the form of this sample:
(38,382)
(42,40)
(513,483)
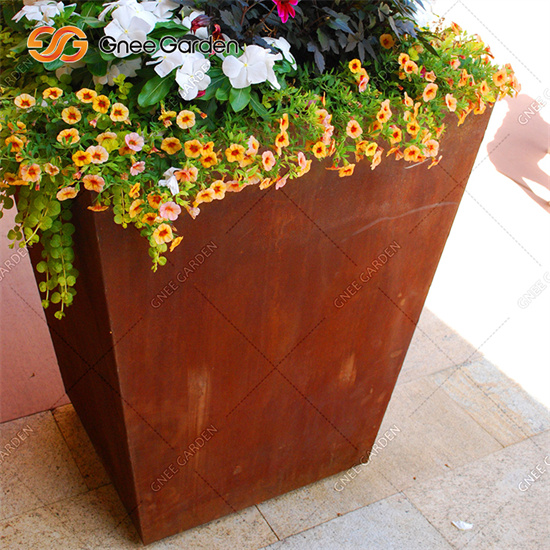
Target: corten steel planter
(262,357)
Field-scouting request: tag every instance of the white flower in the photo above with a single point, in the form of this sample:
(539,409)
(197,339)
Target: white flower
(41,11)
(138,9)
(192,77)
(283,46)
(127,68)
(161,10)
(168,61)
(128,25)
(171,182)
(201,32)
(253,67)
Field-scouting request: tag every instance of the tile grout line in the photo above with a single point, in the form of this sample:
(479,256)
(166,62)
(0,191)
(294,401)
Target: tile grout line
(257,506)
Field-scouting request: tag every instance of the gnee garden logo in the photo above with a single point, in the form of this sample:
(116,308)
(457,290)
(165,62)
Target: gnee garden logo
(55,50)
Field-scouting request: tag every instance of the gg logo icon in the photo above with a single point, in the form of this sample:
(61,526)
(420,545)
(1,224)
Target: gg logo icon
(57,45)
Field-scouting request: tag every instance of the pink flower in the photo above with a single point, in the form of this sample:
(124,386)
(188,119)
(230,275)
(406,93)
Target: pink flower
(137,168)
(285,8)
(134,141)
(170,210)
(281,182)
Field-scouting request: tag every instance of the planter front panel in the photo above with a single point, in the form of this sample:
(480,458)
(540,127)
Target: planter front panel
(262,333)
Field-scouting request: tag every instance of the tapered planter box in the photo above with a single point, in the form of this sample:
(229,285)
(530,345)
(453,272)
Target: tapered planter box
(262,357)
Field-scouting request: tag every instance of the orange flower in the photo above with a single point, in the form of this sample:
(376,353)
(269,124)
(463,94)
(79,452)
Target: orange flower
(135,208)
(268,160)
(125,150)
(206,195)
(500,78)
(187,174)
(353,129)
(462,116)
(451,102)
(52,93)
(408,101)
(387,41)
(98,153)
(16,143)
(154,201)
(86,95)
(304,164)
(346,170)
(267,182)
(464,77)
(484,88)
(171,145)
(207,148)
(410,67)
(208,160)
(101,104)
(69,136)
(163,234)
(354,65)
(175,243)
(432,148)
(403,58)
(455,63)
(24,101)
(71,115)
(193,148)
(480,107)
(395,136)
(377,159)
(282,140)
(320,150)
(430,77)
(30,172)
(371,149)
(149,218)
(186,119)
(322,115)
(66,193)
(234,153)
(430,91)
(283,123)
(119,113)
(134,191)
(413,127)
(105,136)
(254,144)
(383,116)
(51,169)
(219,188)
(81,158)
(98,208)
(435,161)
(411,153)
(166,117)
(93,183)
(363,83)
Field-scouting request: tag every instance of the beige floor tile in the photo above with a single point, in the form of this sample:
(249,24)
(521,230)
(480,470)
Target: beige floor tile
(436,434)
(37,530)
(324,500)
(487,494)
(497,403)
(39,469)
(390,524)
(99,519)
(81,448)
(434,347)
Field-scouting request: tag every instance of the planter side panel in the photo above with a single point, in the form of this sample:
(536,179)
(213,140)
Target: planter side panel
(262,357)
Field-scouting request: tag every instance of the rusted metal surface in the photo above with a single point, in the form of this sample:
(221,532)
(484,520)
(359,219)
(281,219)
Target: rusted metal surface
(263,356)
